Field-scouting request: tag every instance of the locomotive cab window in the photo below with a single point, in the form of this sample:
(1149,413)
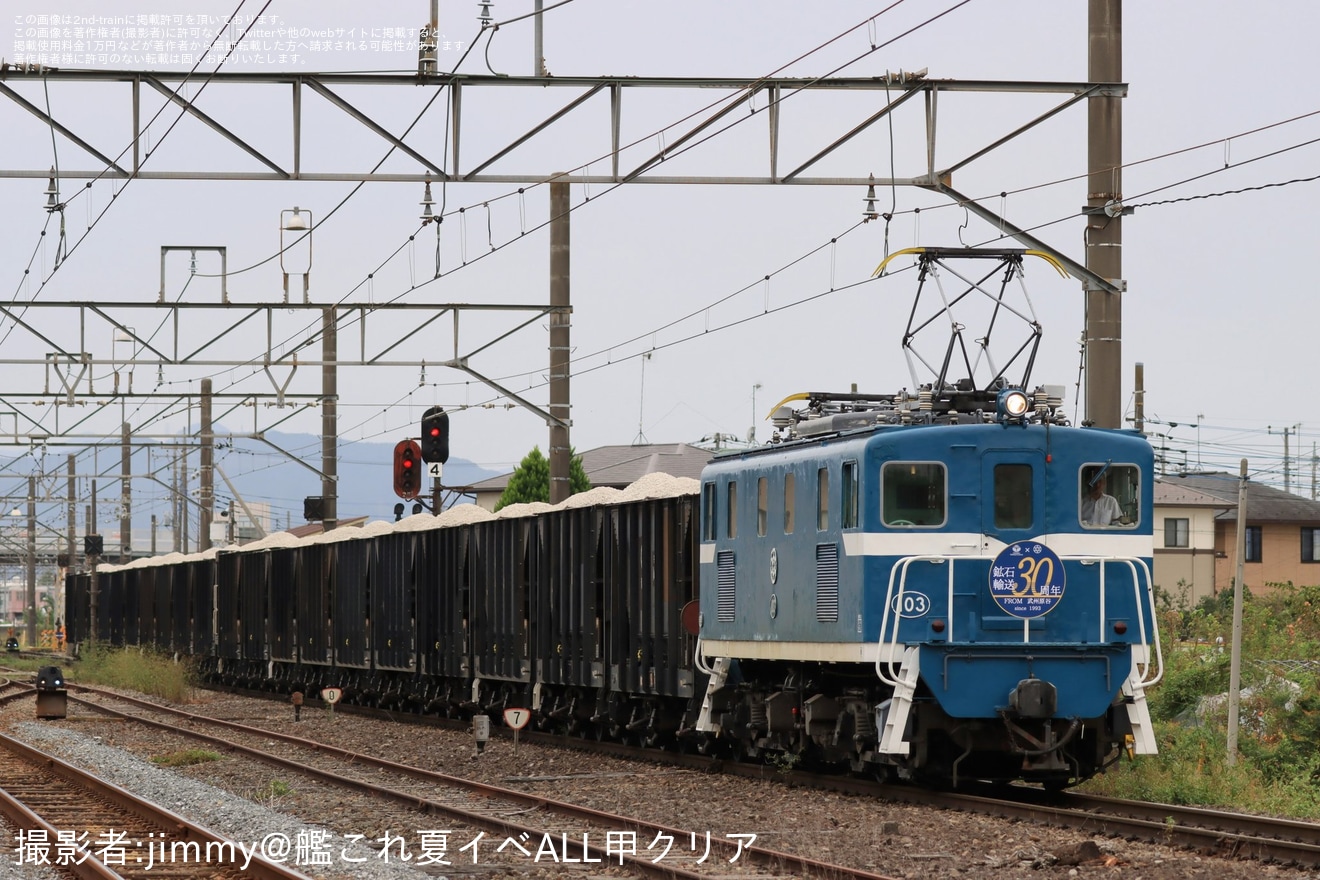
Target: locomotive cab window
(789,501)
(733,510)
(1012,496)
(762,505)
(850,495)
(708,511)
(1109,496)
(914,493)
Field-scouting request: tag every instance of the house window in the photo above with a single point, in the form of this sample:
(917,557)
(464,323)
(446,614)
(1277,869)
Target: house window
(823,499)
(789,500)
(1310,545)
(733,510)
(1176,531)
(1253,544)
(762,504)
(850,494)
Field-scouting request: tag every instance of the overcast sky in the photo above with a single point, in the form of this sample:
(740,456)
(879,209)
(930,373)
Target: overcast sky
(1221,307)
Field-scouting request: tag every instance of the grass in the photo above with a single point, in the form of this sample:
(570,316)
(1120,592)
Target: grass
(145,671)
(1276,769)
(186,758)
(274,790)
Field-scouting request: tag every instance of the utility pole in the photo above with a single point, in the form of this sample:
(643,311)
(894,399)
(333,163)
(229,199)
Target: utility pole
(1140,394)
(1287,458)
(1235,658)
(1104,210)
(560,322)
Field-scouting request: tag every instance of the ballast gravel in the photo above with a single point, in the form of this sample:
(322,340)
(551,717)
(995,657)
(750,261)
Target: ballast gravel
(259,828)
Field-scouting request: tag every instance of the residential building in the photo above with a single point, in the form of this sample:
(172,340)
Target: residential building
(1197,512)
(615,466)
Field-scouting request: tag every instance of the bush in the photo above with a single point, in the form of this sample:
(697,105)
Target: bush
(136,669)
(1277,765)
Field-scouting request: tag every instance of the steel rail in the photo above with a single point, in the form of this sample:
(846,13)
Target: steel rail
(801,865)
(124,801)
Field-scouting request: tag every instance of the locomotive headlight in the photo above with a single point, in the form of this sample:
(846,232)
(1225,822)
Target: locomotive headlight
(1012,403)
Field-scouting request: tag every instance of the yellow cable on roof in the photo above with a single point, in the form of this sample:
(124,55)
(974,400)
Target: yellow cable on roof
(801,395)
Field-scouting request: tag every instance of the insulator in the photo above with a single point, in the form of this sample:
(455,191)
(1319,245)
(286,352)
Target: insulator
(427,216)
(870,213)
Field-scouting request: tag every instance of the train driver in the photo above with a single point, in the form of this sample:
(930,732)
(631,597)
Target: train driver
(1098,508)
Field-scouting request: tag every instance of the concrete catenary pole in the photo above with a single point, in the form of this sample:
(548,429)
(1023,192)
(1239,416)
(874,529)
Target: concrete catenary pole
(1104,197)
(560,322)
(71,535)
(329,418)
(206,490)
(30,612)
(125,494)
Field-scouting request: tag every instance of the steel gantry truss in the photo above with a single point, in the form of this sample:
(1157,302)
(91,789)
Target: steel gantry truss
(450,146)
(638,162)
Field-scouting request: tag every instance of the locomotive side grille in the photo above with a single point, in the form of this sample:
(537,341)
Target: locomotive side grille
(724,606)
(827,583)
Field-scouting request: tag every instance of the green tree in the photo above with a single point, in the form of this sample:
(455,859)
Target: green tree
(530,481)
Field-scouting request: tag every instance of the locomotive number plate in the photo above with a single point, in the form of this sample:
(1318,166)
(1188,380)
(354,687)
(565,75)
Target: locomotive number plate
(908,604)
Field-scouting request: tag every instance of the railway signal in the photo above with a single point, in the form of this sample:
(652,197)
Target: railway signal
(407,469)
(435,435)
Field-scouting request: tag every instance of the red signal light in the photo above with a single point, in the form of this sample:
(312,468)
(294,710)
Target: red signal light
(407,481)
(435,435)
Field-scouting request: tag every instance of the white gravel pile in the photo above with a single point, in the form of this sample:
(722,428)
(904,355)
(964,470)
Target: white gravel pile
(241,820)
(592,497)
(660,486)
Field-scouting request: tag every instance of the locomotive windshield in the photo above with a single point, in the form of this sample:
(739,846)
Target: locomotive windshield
(914,493)
(1013,496)
(1109,496)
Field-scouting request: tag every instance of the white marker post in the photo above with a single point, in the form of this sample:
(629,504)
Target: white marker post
(481,730)
(331,696)
(517,719)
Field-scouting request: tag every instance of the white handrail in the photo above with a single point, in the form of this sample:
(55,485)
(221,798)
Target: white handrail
(885,668)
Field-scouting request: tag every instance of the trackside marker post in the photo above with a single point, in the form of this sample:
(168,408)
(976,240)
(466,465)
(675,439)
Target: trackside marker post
(331,696)
(481,730)
(517,719)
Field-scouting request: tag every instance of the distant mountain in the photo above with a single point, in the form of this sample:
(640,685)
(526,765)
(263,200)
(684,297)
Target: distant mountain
(366,473)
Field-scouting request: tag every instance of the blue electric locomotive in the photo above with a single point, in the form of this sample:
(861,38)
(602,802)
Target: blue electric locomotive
(926,586)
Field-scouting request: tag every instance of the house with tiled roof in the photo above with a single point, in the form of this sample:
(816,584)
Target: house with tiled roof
(616,467)
(1196,535)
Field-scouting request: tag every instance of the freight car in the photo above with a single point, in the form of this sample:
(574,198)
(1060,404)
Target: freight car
(575,612)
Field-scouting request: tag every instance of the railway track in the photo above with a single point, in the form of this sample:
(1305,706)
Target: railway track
(85,827)
(569,833)
(1212,832)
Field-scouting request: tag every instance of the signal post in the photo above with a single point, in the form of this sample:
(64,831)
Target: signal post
(435,449)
